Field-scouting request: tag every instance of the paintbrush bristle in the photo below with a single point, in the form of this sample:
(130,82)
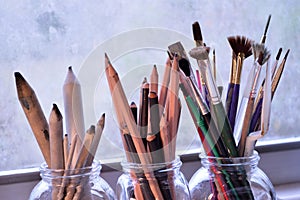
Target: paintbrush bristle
(197,32)
(240,44)
(279,53)
(263,39)
(260,49)
(199,53)
(184,65)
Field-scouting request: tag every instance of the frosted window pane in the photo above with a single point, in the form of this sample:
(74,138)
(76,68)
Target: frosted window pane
(42,38)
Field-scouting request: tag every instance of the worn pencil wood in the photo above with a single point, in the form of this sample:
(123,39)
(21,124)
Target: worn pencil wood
(34,115)
(154,80)
(120,101)
(73,108)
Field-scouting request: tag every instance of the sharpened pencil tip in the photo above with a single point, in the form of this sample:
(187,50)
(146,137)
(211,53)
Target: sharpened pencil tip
(19,77)
(92,129)
(70,68)
(107,61)
(58,114)
(101,121)
(170,55)
(144,80)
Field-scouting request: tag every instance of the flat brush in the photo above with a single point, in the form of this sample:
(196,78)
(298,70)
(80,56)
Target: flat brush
(197,34)
(217,108)
(241,49)
(183,60)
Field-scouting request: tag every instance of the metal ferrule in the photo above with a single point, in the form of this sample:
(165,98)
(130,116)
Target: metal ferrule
(277,76)
(209,81)
(239,65)
(233,68)
(255,81)
(201,103)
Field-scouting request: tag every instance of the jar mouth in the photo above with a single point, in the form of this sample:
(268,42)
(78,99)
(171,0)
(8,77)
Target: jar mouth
(127,166)
(48,173)
(231,161)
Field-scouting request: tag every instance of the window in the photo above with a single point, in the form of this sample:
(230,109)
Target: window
(45,38)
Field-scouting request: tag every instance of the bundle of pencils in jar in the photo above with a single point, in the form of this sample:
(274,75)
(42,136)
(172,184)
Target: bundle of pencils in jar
(232,130)
(149,135)
(69,158)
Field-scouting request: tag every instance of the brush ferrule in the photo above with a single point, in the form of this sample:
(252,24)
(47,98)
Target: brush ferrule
(199,99)
(233,68)
(277,76)
(239,65)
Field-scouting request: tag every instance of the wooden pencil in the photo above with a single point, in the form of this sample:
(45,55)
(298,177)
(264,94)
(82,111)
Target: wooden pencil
(154,80)
(153,138)
(65,182)
(56,147)
(79,163)
(56,138)
(173,109)
(73,109)
(143,113)
(120,100)
(98,133)
(165,85)
(34,115)
(66,149)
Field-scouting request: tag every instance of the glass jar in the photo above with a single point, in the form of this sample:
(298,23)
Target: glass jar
(153,181)
(84,183)
(231,178)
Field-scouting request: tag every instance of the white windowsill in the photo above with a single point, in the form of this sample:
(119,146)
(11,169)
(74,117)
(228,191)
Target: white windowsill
(288,191)
(278,161)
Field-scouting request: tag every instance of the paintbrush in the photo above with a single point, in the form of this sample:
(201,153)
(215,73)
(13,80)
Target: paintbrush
(197,34)
(262,58)
(254,125)
(183,60)
(278,73)
(265,116)
(241,49)
(217,108)
(264,37)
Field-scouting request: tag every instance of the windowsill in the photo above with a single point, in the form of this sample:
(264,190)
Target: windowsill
(288,191)
(277,161)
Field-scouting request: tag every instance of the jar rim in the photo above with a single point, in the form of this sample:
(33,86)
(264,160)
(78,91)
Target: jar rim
(48,173)
(230,161)
(176,163)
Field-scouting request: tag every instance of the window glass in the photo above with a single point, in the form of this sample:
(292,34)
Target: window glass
(41,39)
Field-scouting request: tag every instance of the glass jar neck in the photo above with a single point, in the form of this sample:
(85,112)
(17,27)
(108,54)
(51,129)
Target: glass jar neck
(174,165)
(248,163)
(48,175)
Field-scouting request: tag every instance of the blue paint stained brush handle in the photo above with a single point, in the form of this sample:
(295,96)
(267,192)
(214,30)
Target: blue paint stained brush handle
(229,98)
(254,124)
(234,104)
